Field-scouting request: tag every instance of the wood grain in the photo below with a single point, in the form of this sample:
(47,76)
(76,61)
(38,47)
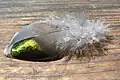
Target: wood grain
(14,14)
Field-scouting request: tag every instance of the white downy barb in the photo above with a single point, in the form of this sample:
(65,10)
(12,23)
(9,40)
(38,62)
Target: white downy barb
(76,30)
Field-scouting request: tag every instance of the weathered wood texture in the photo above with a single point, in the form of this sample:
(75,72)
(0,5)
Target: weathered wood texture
(16,13)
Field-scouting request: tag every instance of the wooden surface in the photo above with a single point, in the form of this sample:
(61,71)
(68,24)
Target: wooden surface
(16,13)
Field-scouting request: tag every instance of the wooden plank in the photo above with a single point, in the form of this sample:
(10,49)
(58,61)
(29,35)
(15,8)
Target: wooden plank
(14,14)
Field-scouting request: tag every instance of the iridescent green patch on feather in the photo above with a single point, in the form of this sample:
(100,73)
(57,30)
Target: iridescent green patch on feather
(25,46)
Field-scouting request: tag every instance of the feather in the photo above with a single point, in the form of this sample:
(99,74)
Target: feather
(69,34)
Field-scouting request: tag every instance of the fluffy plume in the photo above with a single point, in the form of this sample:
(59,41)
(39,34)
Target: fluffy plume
(80,36)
